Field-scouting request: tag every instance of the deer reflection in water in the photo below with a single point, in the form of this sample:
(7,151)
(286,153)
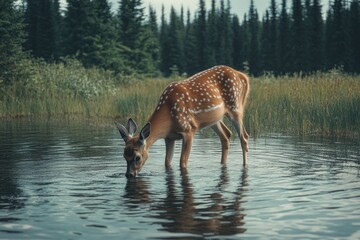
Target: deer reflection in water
(184,210)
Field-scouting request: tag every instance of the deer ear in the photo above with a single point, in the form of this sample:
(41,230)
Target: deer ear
(123,131)
(131,126)
(145,132)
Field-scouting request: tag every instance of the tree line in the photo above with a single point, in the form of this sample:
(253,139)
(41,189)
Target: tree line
(291,37)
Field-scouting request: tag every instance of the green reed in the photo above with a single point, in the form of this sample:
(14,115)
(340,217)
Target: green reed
(321,104)
(138,100)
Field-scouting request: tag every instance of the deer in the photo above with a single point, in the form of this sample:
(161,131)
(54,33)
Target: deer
(184,108)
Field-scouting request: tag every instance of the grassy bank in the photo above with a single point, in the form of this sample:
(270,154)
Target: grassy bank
(321,104)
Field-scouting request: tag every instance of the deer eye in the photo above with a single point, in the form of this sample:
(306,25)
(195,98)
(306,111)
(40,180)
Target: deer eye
(128,152)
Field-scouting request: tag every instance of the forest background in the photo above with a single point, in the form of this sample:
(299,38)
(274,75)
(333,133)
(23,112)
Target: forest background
(62,61)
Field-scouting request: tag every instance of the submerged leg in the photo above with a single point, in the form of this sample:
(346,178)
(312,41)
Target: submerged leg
(243,135)
(224,134)
(186,149)
(170,146)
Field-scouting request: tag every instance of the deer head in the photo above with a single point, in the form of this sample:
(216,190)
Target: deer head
(135,152)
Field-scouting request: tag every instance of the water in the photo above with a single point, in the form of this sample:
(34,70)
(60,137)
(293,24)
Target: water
(62,180)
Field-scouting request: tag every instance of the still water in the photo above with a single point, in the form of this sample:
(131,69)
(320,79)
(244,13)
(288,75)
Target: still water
(62,180)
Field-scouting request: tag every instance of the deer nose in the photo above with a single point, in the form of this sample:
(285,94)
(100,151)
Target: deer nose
(137,158)
(130,175)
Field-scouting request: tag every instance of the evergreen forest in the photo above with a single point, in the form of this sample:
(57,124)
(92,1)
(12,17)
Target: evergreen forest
(291,37)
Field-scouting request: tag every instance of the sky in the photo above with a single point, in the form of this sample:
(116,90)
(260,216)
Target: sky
(238,7)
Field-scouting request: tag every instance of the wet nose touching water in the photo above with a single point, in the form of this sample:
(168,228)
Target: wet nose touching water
(66,181)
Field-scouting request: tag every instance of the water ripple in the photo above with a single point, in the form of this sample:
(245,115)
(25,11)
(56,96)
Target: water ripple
(69,183)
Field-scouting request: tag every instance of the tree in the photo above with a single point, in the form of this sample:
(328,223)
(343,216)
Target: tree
(164,44)
(190,47)
(131,16)
(201,36)
(253,28)
(336,35)
(12,36)
(77,27)
(244,27)
(297,38)
(273,65)
(267,54)
(41,21)
(237,45)
(151,44)
(57,51)
(99,42)
(354,23)
(284,40)
(212,33)
(224,44)
(315,43)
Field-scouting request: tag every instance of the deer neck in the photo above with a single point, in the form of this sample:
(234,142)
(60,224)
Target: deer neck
(160,126)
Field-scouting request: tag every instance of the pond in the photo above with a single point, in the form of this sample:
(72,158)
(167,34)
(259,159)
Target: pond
(64,180)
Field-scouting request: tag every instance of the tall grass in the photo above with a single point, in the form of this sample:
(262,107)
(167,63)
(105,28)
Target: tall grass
(138,100)
(58,89)
(321,104)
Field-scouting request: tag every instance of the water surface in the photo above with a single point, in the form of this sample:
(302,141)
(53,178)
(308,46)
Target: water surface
(64,180)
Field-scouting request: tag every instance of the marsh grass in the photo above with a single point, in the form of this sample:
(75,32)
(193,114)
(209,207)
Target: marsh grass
(58,89)
(138,100)
(319,104)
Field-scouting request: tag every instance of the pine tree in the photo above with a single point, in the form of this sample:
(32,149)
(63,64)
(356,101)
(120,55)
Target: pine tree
(100,39)
(315,43)
(224,45)
(212,33)
(253,53)
(190,47)
(130,17)
(181,23)
(337,36)
(283,41)
(267,54)
(297,40)
(77,27)
(12,36)
(354,28)
(237,45)
(273,30)
(201,36)
(244,27)
(151,43)
(269,40)
(40,22)
(57,50)
(174,38)
(164,45)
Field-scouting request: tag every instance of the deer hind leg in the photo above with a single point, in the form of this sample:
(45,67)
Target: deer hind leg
(224,134)
(186,149)
(170,146)
(243,135)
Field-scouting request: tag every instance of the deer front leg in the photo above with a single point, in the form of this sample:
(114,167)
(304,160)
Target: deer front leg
(186,148)
(170,146)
